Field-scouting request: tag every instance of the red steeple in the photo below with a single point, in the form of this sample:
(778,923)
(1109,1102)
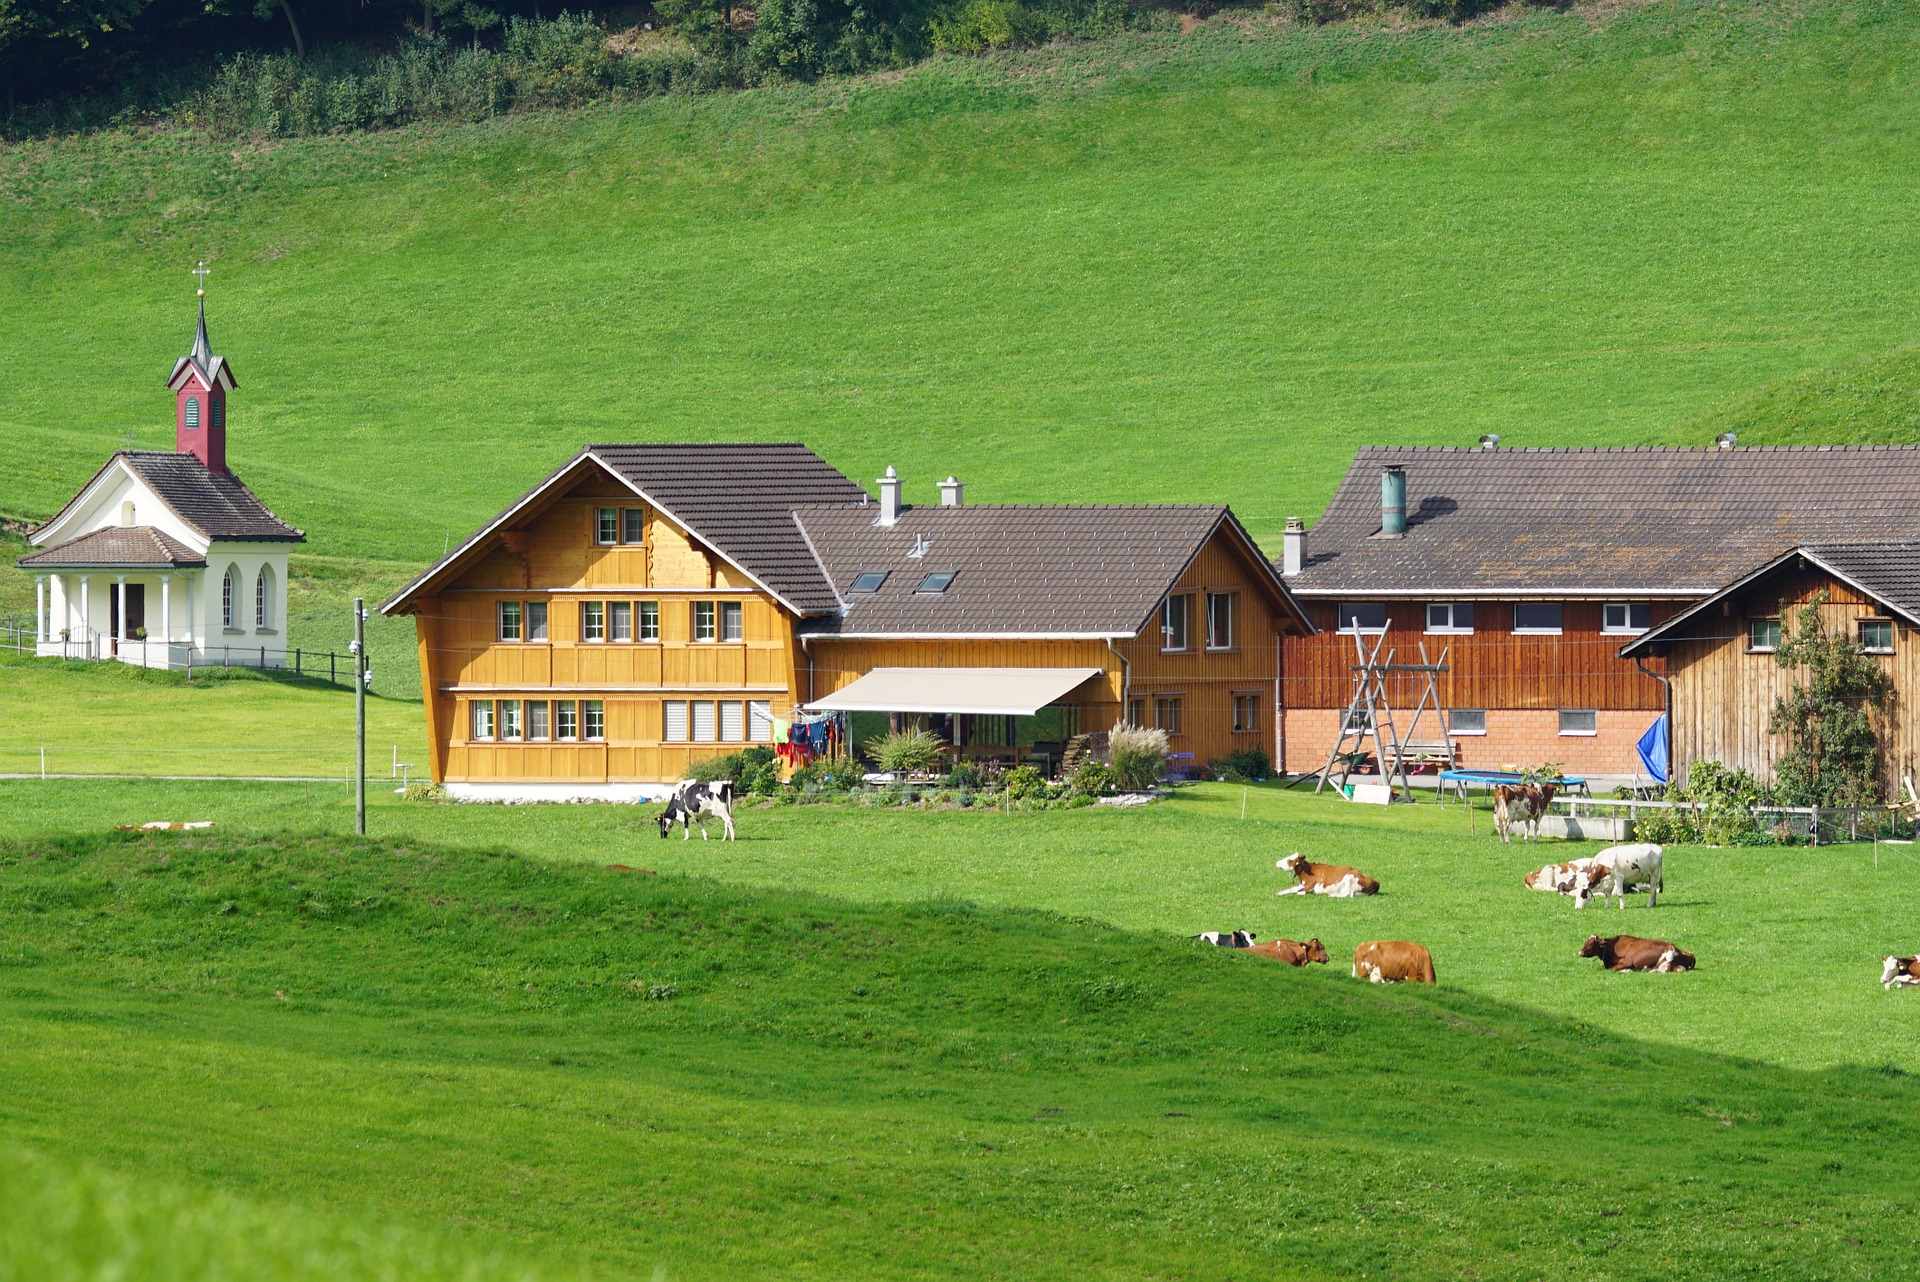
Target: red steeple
(200,382)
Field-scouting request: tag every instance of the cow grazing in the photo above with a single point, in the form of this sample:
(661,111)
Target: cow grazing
(692,801)
(1615,871)
(1325,879)
(1293,954)
(1630,952)
(1548,878)
(1225,938)
(1393,961)
(1899,972)
(1521,803)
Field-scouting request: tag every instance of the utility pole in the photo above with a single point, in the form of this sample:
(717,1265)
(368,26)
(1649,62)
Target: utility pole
(362,677)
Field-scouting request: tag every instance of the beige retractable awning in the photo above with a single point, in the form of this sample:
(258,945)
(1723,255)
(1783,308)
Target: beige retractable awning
(1007,692)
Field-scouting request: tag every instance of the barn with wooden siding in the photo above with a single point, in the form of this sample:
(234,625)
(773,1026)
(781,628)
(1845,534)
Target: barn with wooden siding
(1720,653)
(1533,568)
(649,605)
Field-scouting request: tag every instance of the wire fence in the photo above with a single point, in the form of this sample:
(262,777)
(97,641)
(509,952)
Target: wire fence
(319,665)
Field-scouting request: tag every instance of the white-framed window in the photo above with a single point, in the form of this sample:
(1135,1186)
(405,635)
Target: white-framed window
(1137,712)
(566,719)
(733,721)
(1876,636)
(675,728)
(759,720)
(706,625)
(1579,721)
(1763,635)
(1221,607)
(649,620)
(606,525)
(508,613)
(1450,617)
(622,612)
(263,598)
(1166,713)
(1359,721)
(1175,622)
(229,592)
(1626,618)
(1467,721)
(593,719)
(1362,616)
(1246,713)
(593,620)
(480,720)
(733,621)
(1536,618)
(633,525)
(510,719)
(538,724)
(536,620)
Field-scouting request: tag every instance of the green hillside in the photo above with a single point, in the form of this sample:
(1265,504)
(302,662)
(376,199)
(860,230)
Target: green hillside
(665,1076)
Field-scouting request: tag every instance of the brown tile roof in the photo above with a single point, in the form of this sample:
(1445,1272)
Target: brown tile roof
(215,503)
(1085,570)
(740,498)
(1643,520)
(116,547)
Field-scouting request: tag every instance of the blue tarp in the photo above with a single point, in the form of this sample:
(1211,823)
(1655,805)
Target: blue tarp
(1653,749)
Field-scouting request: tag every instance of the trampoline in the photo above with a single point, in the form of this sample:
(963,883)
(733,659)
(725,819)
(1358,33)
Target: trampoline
(1464,779)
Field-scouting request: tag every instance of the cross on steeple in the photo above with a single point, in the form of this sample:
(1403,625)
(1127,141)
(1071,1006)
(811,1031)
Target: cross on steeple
(202,271)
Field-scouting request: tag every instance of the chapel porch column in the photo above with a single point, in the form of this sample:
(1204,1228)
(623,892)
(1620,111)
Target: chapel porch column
(86,616)
(120,615)
(39,609)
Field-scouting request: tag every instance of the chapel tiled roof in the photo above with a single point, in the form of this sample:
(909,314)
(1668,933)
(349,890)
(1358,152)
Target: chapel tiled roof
(740,498)
(1039,569)
(1679,521)
(116,547)
(215,503)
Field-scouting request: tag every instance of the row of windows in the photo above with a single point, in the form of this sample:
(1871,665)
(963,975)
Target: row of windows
(1875,636)
(1580,722)
(716,721)
(1222,620)
(1537,618)
(626,525)
(262,598)
(622,620)
(934,581)
(536,719)
(1168,713)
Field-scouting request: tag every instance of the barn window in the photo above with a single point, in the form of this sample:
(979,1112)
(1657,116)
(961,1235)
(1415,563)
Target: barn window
(703,721)
(1763,635)
(1246,713)
(606,525)
(705,621)
(566,719)
(193,413)
(480,724)
(1220,610)
(649,620)
(732,621)
(1467,721)
(1450,616)
(1166,713)
(538,724)
(509,612)
(1174,614)
(1579,721)
(1626,617)
(536,620)
(622,620)
(1362,616)
(1541,618)
(593,620)
(633,525)
(593,715)
(759,720)
(869,581)
(1876,636)
(675,728)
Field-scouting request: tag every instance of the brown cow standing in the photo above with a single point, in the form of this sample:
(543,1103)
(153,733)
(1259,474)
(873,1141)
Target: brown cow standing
(1293,954)
(1521,803)
(1325,879)
(1630,952)
(1393,961)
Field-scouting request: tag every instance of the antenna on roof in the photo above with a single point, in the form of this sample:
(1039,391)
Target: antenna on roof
(1490,441)
(921,546)
(1726,440)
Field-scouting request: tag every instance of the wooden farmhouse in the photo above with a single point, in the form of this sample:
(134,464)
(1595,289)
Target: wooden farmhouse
(1534,571)
(1719,653)
(649,605)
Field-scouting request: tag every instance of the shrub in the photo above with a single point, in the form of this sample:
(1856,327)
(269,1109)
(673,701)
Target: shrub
(1092,779)
(423,790)
(1137,754)
(964,777)
(1833,754)
(753,770)
(826,774)
(1249,765)
(980,25)
(1024,783)
(907,751)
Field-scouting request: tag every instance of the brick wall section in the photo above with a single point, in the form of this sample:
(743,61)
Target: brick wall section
(1514,738)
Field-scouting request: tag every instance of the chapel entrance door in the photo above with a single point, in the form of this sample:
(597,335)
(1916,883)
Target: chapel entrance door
(136,613)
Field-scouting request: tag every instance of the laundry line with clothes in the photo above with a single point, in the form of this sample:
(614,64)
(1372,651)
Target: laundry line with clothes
(807,736)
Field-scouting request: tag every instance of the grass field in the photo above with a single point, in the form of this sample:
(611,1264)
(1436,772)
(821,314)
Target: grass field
(587,1068)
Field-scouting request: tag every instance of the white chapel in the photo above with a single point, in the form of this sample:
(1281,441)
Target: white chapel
(166,559)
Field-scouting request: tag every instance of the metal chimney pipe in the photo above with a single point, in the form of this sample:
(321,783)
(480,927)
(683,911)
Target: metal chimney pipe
(952,492)
(1393,502)
(1293,547)
(889,498)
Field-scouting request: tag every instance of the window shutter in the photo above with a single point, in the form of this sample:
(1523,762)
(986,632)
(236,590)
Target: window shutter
(760,721)
(733,725)
(703,722)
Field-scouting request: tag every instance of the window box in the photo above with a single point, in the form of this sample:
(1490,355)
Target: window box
(1581,722)
(1537,618)
(1625,618)
(1450,618)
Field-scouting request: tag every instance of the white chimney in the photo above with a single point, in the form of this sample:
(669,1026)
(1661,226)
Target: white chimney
(952,492)
(889,498)
(1293,547)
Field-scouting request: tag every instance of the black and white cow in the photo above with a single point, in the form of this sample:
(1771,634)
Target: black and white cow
(692,801)
(1226,938)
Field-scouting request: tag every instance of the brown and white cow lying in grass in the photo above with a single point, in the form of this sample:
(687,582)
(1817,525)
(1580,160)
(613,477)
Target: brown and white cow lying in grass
(1615,871)
(1899,972)
(1325,879)
(1630,952)
(1521,803)
(1290,952)
(1549,877)
(1393,961)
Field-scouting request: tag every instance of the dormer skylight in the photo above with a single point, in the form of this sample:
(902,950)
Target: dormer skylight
(870,581)
(938,581)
